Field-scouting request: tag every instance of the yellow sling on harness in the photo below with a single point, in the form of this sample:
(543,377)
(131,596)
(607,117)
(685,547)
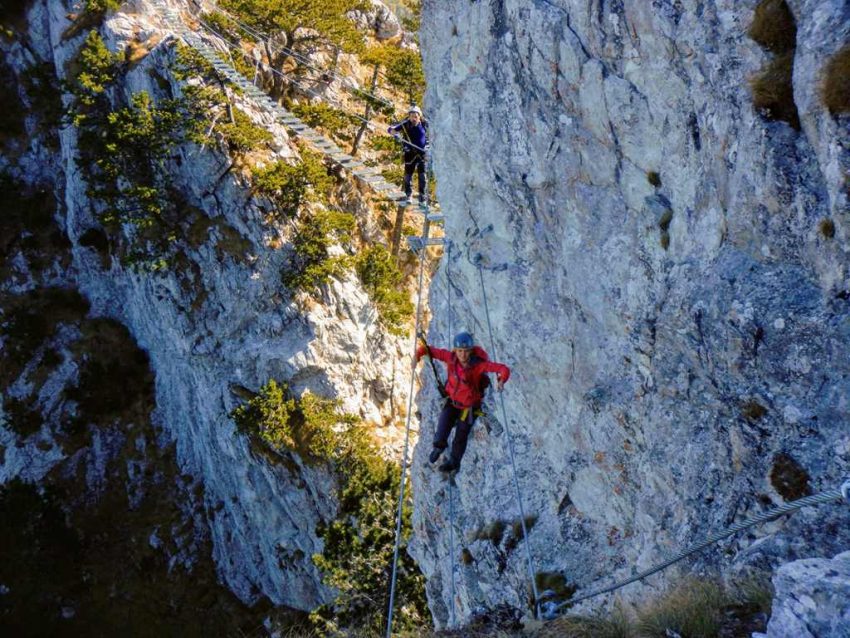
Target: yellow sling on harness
(476,413)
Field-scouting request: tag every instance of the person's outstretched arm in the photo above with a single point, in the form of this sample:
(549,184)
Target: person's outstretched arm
(436,353)
(502,372)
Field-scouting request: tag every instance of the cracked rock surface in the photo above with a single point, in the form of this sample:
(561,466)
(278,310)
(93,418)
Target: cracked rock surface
(659,280)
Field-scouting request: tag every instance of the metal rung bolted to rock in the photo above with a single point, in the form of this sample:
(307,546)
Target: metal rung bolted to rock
(418,243)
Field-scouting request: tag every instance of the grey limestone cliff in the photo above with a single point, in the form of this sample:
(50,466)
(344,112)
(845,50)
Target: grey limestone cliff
(666,270)
(215,327)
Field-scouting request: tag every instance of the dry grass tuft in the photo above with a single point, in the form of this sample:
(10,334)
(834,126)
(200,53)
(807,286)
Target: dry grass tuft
(773,92)
(752,410)
(654,178)
(788,478)
(694,608)
(773,26)
(827,227)
(836,85)
(615,626)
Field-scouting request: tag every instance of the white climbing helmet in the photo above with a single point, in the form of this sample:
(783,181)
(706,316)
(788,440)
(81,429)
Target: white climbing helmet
(414,109)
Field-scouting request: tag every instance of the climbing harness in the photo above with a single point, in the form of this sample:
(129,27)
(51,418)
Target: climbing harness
(511,451)
(843,493)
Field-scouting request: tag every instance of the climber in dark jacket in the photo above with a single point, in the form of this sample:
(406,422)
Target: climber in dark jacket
(468,366)
(413,133)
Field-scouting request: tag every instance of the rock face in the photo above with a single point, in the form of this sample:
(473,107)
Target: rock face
(213,328)
(666,272)
(812,599)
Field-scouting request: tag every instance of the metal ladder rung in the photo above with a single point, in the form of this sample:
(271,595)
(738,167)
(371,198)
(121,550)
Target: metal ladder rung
(369,177)
(418,243)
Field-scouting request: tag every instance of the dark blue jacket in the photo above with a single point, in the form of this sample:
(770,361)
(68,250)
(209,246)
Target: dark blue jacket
(417,135)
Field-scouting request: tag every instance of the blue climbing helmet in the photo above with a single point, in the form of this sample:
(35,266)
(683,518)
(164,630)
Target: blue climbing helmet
(463,340)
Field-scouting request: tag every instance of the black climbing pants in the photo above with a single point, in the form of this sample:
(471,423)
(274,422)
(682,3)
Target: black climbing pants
(414,161)
(450,418)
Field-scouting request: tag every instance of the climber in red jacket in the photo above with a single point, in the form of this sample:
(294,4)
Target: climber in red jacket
(468,366)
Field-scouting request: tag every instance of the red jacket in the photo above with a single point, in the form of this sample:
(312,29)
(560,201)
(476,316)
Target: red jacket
(464,384)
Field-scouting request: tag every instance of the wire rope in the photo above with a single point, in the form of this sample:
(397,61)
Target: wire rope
(815,499)
(512,456)
(406,445)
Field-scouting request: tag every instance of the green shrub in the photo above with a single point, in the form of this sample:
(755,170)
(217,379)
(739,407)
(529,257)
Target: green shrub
(131,146)
(773,91)
(402,69)
(96,70)
(242,135)
(836,83)
(268,416)
(299,21)
(394,175)
(124,151)
(245,65)
(382,279)
(222,23)
(320,115)
(290,186)
(359,543)
(310,265)
(384,144)
(101,6)
(379,105)
(189,63)
(773,26)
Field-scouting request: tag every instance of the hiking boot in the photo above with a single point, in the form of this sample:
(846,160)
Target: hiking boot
(449,465)
(435,454)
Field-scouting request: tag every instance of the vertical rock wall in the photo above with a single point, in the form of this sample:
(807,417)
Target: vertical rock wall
(660,277)
(217,325)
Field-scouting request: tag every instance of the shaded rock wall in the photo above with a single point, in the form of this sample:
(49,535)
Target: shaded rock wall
(658,278)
